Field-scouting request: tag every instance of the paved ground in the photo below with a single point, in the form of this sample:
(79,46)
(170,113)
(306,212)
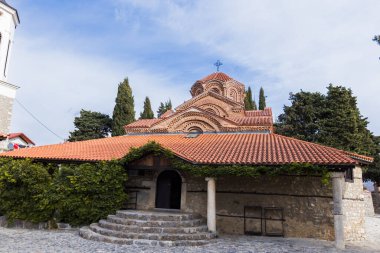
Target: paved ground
(37,241)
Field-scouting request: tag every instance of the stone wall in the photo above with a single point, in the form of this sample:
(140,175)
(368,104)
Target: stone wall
(307,203)
(376,201)
(353,208)
(368,203)
(6,104)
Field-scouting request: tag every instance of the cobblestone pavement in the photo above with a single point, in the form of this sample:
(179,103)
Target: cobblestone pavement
(38,241)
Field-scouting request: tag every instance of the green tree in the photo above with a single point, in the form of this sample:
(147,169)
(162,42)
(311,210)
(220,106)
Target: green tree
(262,103)
(333,120)
(90,125)
(343,126)
(164,107)
(376,39)
(249,103)
(147,113)
(302,118)
(372,172)
(124,110)
(23,185)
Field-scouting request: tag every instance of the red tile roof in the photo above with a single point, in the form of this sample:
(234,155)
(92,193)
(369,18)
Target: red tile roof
(143,123)
(256,113)
(22,136)
(242,148)
(252,121)
(167,114)
(216,76)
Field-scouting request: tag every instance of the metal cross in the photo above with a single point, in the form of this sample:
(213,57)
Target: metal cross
(218,64)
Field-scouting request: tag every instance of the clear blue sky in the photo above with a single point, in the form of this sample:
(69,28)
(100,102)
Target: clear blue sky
(71,54)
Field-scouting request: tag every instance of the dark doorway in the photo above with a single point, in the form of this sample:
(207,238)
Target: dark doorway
(168,191)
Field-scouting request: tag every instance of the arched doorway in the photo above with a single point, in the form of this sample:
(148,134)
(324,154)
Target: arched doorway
(168,191)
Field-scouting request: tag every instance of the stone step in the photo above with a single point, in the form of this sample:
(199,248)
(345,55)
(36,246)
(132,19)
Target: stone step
(151,236)
(87,233)
(146,229)
(138,222)
(156,216)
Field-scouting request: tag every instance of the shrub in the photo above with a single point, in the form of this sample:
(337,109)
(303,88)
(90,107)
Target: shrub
(85,193)
(23,185)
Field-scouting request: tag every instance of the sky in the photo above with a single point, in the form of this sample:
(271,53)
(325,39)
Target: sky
(70,55)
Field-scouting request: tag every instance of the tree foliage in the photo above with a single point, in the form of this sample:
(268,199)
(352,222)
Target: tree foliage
(333,120)
(124,110)
(376,38)
(90,125)
(147,113)
(249,103)
(164,107)
(87,192)
(23,187)
(74,193)
(262,103)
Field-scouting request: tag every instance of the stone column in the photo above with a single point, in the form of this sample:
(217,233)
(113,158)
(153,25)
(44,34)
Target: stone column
(211,204)
(337,184)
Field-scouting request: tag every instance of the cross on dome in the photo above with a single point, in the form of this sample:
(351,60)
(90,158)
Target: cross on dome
(218,64)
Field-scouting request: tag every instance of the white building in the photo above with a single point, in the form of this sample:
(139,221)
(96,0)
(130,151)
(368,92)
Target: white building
(9,20)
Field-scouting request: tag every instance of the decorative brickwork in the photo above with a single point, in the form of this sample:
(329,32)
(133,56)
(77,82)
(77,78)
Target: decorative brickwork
(217,105)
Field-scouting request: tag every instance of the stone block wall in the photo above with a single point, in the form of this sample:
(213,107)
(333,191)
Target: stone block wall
(306,202)
(376,202)
(368,203)
(353,208)
(6,105)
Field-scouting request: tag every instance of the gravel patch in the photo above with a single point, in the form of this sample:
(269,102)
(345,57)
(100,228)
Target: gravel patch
(42,241)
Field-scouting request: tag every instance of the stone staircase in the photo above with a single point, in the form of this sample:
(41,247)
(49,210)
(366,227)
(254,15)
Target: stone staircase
(154,228)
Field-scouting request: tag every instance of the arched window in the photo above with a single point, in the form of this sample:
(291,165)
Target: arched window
(195,129)
(233,95)
(216,90)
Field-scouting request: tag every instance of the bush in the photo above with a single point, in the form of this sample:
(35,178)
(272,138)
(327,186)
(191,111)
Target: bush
(77,193)
(85,193)
(23,185)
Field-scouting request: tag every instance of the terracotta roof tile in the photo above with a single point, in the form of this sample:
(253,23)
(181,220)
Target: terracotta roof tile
(216,76)
(142,123)
(256,113)
(241,148)
(167,114)
(252,121)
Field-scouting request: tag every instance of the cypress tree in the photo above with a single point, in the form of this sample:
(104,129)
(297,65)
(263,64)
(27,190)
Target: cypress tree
(248,102)
(254,106)
(262,103)
(164,107)
(124,110)
(147,112)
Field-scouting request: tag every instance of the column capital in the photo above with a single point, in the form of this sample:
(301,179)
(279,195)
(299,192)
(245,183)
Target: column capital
(210,178)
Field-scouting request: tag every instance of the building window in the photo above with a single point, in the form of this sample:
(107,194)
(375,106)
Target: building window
(349,175)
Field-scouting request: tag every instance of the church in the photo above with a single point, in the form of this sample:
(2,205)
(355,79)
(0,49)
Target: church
(213,130)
